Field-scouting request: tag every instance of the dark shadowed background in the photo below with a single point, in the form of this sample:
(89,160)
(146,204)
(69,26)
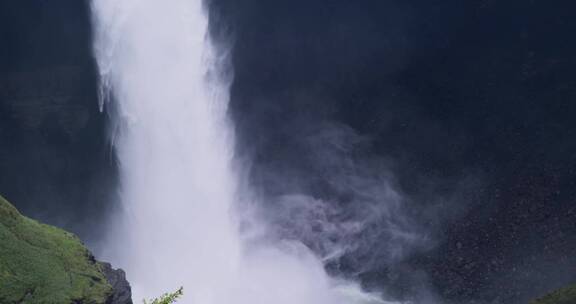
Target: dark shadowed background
(465,107)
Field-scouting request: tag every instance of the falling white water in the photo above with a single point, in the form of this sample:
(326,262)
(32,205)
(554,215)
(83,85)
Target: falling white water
(178,187)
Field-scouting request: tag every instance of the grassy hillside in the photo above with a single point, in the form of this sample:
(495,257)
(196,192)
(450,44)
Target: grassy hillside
(44,264)
(562,296)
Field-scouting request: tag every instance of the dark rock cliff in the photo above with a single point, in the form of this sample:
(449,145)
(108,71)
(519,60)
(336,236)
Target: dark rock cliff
(51,128)
(122,293)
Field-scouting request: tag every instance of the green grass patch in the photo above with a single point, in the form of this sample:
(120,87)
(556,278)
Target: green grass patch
(561,296)
(44,264)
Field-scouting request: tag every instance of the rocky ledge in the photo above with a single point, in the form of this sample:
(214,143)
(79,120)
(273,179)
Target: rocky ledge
(43,264)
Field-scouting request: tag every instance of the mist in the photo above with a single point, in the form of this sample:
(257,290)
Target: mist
(186,220)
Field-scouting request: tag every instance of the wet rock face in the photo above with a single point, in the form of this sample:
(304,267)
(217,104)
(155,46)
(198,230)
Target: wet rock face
(122,293)
(52,129)
(50,124)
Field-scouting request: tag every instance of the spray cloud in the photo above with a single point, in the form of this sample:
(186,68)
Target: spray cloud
(180,223)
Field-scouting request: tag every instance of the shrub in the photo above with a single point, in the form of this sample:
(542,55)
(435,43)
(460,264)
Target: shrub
(167,298)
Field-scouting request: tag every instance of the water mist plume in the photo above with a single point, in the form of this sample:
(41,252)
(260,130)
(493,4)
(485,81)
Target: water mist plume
(179,190)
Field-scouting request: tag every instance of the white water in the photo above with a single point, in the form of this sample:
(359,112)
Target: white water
(178,187)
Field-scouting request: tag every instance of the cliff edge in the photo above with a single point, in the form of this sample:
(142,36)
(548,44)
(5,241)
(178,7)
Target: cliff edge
(565,295)
(43,264)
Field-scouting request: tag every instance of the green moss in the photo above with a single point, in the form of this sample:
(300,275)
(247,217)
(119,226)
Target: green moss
(44,264)
(562,296)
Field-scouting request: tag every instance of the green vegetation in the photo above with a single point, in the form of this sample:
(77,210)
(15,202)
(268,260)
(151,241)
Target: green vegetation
(44,264)
(562,296)
(167,298)
(41,264)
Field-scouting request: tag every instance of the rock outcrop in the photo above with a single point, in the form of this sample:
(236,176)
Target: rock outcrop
(44,264)
(121,292)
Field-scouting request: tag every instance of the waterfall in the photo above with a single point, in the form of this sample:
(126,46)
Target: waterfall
(162,84)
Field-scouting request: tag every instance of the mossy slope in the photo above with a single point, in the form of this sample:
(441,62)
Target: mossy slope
(44,264)
(561,296)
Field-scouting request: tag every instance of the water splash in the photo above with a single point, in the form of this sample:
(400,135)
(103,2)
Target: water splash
(180,224)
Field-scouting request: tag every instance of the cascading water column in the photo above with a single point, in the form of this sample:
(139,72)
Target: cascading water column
(172,143)
(175,149)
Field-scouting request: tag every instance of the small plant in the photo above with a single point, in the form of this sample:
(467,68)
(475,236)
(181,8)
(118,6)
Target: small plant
(167,298)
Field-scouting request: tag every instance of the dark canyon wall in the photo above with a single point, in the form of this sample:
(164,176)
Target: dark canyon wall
(55,160)
(469,106)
